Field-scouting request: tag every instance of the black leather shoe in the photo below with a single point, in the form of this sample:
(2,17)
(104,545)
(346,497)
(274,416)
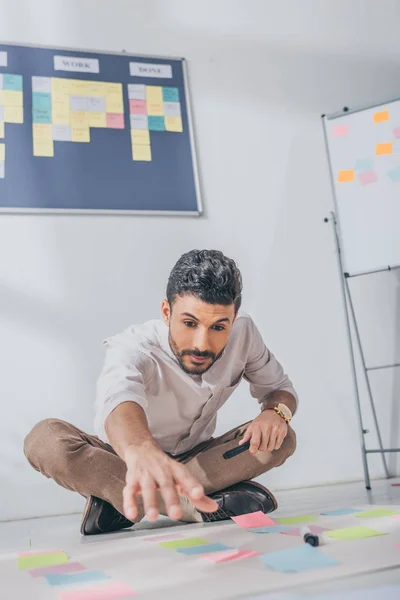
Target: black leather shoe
(240,499)
(100,517)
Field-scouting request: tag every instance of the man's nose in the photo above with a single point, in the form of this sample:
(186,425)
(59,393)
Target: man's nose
(200,341)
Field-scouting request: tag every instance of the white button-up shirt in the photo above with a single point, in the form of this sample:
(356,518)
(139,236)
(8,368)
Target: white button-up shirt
(180,408)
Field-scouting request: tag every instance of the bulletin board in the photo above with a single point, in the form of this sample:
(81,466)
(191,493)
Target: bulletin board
(95,132)
(364,157)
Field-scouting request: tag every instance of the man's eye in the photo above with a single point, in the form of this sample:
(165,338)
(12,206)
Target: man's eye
(219,328)
(189,323)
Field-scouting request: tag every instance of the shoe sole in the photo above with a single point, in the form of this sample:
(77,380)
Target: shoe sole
(264,489)
(89,504)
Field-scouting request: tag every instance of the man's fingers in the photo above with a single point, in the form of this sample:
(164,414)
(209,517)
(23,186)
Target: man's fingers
(149,494)
(255,440)
(272,440)
(171,499)
(247,436)
(279,441)
(191,488)
(129,499)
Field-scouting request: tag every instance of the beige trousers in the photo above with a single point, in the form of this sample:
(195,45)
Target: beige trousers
(82,463)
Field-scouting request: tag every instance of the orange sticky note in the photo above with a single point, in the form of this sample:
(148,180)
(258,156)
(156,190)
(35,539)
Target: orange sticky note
(345,176)
(383,115)
(386,148)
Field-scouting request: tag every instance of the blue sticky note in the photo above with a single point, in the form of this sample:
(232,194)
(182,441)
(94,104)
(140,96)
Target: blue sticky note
(70,578)
(40,115)
(394,174)
(204,549)
(170,94)
(41,101)
(156,123)
(272,529)
(340,512)
(12,82)
(364,164)
(300,558)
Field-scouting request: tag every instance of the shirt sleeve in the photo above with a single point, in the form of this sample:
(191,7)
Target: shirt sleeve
(264,373)
(123,378)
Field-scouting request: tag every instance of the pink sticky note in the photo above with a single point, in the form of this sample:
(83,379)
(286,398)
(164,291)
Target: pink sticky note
(110,591)
(137,107)
(72,567)
(218,557)
(252,520)
(115,121)
(340,130)
(397,517)
(367,177)
(164,538)
(397,545)
(396,484)
(313,528)
(396,132)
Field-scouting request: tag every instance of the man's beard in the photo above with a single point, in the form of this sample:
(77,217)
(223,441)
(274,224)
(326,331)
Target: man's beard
(194,369)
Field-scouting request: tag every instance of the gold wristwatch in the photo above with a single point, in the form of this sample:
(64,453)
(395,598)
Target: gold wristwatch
(283,411)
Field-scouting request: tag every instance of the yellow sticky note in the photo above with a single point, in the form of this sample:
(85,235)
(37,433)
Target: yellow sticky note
(383,115)
(344,176)
(96,88)
(80,134)
(155,109)
(114,103)
(2,152)
(173,124)
(1,129)
(97,119)
(140,137)
(43,147)
(154,94)
(60,85)
(42,131)
(79,118)
(13,114)
(112,88)
(60,109)
(386,148)
(79,87)
(11,98)
(141,152)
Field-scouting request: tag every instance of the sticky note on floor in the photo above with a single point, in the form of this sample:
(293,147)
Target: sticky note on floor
(394,175)
(346,176)
(72,567)
(273,529)
(253,520)
(376,513)
(185,543)
(45,559)
(381,116)
(71,578)
(367,177)
(164,538)
(204,549)
(300,558)
(364,164)
(340,512)
(297,532)
(109,591)
(386,148)
(297,520)
(229,555)
(353,533)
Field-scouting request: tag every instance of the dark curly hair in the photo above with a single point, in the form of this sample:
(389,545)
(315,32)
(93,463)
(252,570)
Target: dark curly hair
(207,274)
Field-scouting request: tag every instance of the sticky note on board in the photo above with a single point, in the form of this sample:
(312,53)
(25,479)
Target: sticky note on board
(385,148)
(12,82)
(96,88)
(142,153)
(345,176)
(41,100)
(41,84)
(174,124)
(340,512)
(2,169)
(172,109)
(13,114)
(154,94)
(60,85)
(1,130)
(115,121)
(46,559)
(297,520)
(107,591)
(170,94)
(139,121)
(2,152)
(80,134)
(253,520)
(340,130)
(140,137)
(96,104)
(376,513)
(71,578)
(353,533)
(367,177)
(155,109)
(97,119)
(228,555)
(114,103)
(185,543)
(137,107)
(72,567)
(204,549)
(62,133)
(79,118)
(44,148)
(41,115)
(381,116)
(136,91)
(41,131)
(156,123)
(79,103)
(299,558)
(11,98)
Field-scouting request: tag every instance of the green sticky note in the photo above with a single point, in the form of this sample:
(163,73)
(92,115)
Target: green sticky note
(353,533)
(377,512)
(296,520)
(42,560)
(186,543)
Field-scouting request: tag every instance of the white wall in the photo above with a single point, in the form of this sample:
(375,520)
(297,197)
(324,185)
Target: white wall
(261,72)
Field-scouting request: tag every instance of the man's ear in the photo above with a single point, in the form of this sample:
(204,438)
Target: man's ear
(165,311)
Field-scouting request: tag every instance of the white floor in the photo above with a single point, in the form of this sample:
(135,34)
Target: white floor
(63,532)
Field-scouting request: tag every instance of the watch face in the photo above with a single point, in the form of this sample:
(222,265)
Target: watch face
(285,411)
